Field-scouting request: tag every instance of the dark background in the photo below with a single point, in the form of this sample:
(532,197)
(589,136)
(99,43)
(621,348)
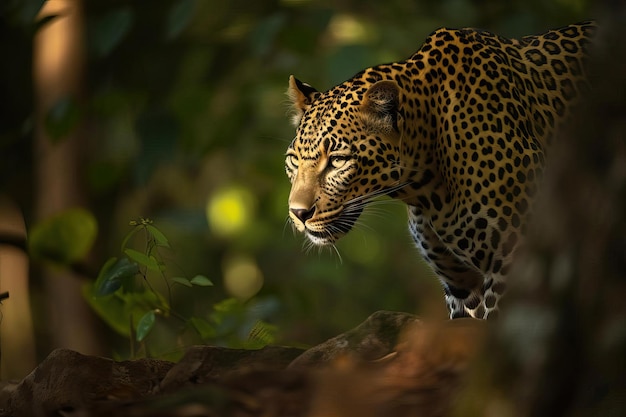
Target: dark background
(180,116)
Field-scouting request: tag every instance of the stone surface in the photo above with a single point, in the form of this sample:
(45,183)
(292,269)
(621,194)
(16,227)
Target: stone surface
(422,377)
(372,339)
(204,364)
(392,364)
(67,381)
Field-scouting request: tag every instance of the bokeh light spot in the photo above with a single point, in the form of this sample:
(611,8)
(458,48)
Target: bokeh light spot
(242,276)
(230,211)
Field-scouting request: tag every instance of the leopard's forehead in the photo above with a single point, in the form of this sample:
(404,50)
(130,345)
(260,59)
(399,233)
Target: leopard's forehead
(331,122)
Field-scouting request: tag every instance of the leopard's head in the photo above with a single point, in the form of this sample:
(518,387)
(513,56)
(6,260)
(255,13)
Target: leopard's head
(345,154)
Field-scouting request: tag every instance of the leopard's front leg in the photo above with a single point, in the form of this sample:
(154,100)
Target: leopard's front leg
(463,284)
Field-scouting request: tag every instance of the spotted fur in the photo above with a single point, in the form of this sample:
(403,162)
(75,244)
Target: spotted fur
(458,131)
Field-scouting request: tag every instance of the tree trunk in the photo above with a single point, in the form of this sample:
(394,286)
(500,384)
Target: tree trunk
(58,72)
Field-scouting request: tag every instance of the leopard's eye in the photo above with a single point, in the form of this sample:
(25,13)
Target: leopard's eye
(291,161)
(291,166)
(338,161)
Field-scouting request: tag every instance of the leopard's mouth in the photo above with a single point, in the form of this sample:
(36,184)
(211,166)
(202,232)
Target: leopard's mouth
(329,229)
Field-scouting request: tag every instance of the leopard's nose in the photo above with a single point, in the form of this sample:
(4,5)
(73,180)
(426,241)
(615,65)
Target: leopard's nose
(303,214)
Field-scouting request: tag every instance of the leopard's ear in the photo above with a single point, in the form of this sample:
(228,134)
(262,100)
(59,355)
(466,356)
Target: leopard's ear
(302,96)
(380,106)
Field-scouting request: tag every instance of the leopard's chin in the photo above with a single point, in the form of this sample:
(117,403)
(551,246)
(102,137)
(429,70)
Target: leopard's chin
(321,240)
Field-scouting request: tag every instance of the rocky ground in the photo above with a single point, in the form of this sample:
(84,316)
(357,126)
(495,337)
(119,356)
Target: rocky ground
(392,364)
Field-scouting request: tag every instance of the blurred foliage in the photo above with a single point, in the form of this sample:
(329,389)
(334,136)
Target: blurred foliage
(186,123)
(128,297)
(64,238)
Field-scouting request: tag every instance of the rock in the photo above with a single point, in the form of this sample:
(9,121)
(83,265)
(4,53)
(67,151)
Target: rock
(67,380)
(421,378)
(204,364)
(6,390)
(392,364)
(372,339)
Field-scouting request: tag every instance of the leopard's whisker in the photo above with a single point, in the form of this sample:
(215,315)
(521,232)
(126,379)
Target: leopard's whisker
(377,193)
(288,222)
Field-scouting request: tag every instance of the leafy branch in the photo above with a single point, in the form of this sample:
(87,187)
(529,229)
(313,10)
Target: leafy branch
(124,296)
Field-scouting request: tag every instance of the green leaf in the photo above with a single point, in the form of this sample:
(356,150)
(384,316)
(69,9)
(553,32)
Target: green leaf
(227,314)
(160,238)
(108,31)
(25,12)
(62,118)
(261,334)
(113,274)
(64,238)
(228,305)
(264,34)
(201,281)
(182,281)
(146,323)
(203,327)
(141,258)
(103,286)
(179,17)
(123,310)
(129,235)
(109,309)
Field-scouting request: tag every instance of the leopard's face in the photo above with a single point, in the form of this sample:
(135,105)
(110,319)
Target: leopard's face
(322,201)
(340,159)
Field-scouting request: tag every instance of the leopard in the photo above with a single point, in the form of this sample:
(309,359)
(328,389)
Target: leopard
(460,132)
